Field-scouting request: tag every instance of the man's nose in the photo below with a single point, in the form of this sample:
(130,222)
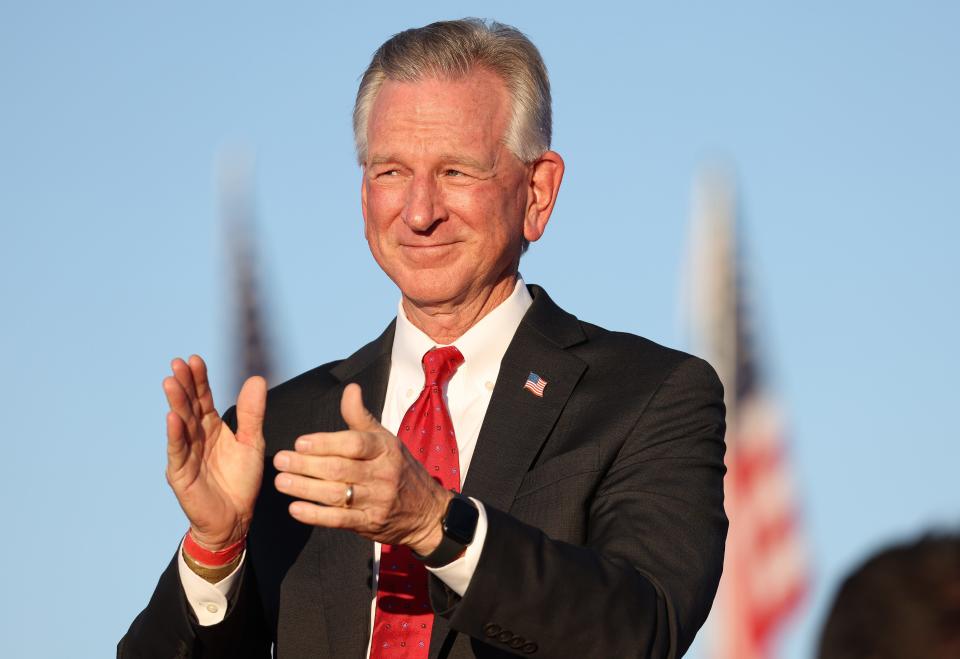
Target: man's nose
(424,206)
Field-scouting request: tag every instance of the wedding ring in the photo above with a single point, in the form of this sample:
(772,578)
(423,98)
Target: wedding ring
(348,496)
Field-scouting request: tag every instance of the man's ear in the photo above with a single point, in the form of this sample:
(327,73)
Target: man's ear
(363,198)
(545,179)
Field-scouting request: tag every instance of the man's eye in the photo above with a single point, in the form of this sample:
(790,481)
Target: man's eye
(453,173)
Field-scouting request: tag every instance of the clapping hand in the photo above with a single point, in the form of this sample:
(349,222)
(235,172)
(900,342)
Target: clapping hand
(395,500)
(214,472)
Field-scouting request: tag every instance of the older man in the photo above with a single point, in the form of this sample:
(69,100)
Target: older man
(491,476)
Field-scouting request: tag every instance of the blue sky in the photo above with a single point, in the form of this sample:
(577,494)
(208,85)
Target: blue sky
(840,123)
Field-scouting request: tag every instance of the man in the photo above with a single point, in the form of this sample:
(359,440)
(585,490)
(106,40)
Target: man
(591,520)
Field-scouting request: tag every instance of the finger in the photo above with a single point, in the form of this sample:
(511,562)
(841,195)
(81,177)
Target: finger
(251,407)
(328,493)
(199,369)
(180,405)
(177,447)
(328,516)
(356,416)
(328,468)
(183,374)
(346,444)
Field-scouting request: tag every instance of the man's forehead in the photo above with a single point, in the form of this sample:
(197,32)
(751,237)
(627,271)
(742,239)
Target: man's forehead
(441,114)
(481,90)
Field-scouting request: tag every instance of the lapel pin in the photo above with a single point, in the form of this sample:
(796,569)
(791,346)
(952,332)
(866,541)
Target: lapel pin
(535,384)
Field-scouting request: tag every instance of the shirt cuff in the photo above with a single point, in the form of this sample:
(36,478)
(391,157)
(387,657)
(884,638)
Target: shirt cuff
(457,574)
(208,600)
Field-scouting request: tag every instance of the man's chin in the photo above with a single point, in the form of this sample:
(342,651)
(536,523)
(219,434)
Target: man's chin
(425,295)
(434,287)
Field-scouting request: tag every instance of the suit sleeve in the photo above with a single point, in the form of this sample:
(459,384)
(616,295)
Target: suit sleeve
(167,627)
(643,582)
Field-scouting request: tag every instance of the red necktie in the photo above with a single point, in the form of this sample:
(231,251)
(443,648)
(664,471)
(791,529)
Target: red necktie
(403,622)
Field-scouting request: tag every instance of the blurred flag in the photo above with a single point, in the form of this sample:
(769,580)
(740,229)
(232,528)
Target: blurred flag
(250,338)
(764,574)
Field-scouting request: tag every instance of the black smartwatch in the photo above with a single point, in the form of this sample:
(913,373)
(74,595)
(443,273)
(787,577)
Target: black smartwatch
(459,524)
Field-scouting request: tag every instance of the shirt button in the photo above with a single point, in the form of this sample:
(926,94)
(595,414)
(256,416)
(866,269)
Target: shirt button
(212,608)
(488,385)
(409,393)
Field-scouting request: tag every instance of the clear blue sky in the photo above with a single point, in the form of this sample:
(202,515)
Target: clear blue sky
(842,125)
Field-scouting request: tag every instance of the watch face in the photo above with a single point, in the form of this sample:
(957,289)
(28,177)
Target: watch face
(460,522)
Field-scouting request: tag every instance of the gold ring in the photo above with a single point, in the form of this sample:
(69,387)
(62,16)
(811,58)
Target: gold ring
(348,496)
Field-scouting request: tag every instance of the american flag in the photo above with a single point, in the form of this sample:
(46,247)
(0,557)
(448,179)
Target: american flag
(765,572)
(535,384)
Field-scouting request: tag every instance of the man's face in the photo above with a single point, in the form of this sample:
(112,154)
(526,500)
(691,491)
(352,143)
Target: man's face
(444,202)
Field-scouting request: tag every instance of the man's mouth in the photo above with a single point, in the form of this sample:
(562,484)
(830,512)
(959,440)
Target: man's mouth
(426,250)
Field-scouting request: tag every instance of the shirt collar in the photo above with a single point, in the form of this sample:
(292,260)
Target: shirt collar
(482,346)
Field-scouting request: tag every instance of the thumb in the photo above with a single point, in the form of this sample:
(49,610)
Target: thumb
(251,406)
(354,413)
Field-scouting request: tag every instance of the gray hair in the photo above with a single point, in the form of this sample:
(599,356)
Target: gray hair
(451,50)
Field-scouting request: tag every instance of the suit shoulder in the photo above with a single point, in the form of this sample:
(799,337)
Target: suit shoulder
(309,383)
(291,394)
(318,380)
(602,343)
(629,355)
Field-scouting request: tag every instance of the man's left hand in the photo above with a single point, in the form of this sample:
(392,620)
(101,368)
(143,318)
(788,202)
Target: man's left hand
(395,500)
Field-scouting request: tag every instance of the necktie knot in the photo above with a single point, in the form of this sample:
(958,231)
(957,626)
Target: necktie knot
(439,365)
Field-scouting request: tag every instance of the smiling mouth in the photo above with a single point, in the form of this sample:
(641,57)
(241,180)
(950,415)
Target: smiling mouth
(427,251)
(428,246)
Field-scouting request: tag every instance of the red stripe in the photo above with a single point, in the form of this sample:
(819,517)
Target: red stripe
(210,558)
(535,388)
(757,533)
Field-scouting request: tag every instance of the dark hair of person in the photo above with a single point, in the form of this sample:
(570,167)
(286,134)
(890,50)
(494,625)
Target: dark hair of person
(903,602)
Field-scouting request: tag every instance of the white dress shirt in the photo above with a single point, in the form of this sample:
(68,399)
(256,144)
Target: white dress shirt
(467,394)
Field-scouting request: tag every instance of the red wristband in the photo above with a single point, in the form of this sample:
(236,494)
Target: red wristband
(212,558)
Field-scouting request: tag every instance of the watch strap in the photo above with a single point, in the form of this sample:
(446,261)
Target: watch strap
(450,548)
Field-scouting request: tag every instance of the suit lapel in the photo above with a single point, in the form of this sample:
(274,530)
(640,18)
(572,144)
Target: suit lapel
(518,422)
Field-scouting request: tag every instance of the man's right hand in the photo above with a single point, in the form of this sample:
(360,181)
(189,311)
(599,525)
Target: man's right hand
(214,473)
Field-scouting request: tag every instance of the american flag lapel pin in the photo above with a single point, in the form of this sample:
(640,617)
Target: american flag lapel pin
(535,384)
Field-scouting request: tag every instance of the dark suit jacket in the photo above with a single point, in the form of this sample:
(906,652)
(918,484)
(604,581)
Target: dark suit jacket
(604,500)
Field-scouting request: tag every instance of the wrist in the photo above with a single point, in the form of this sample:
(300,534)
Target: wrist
(432,536)
(218,541)
(212,555)
(458,528)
